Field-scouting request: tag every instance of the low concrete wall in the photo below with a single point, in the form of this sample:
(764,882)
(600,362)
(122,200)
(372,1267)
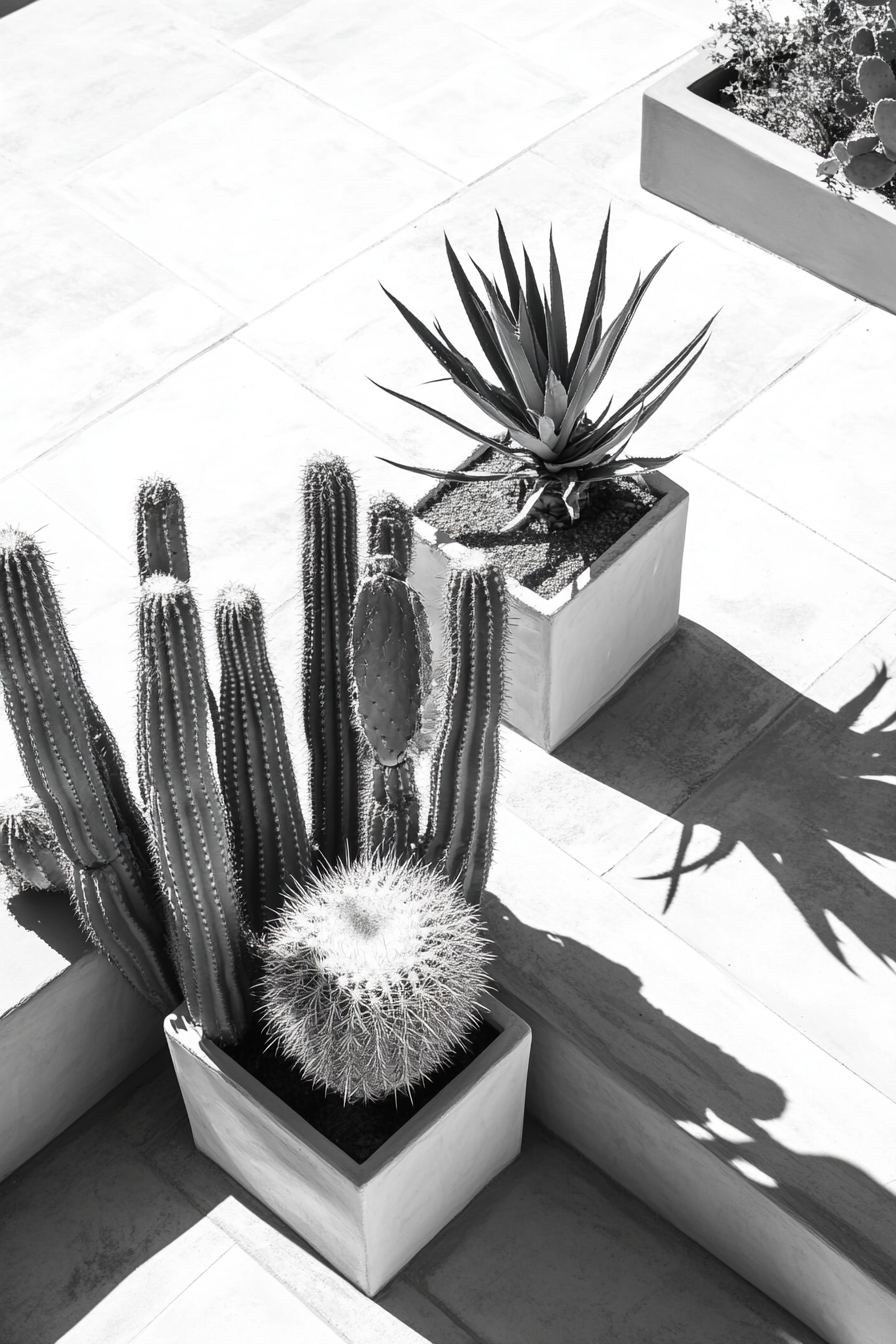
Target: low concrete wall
(761,186)
(78,1033)
(663,1071)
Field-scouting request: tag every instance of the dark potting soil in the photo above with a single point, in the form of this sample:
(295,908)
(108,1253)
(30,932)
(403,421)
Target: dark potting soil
(359,1127)
(541,558)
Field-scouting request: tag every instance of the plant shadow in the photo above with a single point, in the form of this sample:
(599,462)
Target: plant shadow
(710,738)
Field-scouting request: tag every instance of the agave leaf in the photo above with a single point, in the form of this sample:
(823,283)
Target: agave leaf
(555,398)
(491,288)
(596,291)
(494,411)
(603,357)
(534,304)
(547,431)
(507,403)
(438,415)
(553,352)
(558,313)
(451,363)
(644,391)
(456,476)
(535,446)
(653,406)
(534,353)
(514,288)
(478,319)
(570,494)
(528,506)
(584,356)
(599,451)
(632,466)
(528,386)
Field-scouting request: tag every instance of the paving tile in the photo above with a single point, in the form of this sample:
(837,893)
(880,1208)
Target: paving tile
(342,330)
(232,432)
(826,457)
(403,1300)
(782,870)
(789,600)
(453,97)
(88,320)
(697,704)
(235,1300)
(94,1243)
(228,194)
(232,19)
(555,1250)
(78,77)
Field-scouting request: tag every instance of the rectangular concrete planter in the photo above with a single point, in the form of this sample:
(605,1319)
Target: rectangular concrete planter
(370,1218)
(760,186)
(567,655)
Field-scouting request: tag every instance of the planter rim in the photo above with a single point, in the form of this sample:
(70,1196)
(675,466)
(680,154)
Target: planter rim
(511,1028)
(667,493)
(680,86)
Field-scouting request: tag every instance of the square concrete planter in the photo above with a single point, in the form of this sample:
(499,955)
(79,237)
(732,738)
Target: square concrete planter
(568,654)
(369,1218)
(757,184)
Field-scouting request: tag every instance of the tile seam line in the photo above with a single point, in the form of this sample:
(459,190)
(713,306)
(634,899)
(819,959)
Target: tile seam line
(145,1326)
(119,405)
(601,877)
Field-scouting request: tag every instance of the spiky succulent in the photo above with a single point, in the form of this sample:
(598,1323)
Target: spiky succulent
(372,976)
(29,851)
(553,448)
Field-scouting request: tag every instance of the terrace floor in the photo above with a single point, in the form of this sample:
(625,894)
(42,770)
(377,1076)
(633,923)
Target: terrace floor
(198,203)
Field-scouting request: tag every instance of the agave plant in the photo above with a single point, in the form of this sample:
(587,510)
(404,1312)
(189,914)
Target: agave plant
(554,449)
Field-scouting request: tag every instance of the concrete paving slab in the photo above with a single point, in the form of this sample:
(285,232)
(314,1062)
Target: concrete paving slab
(834,467)
(79,78)
(342,331)
(233,19)
(94,1243)
(557,1251)
(228,194)
(232,1301)
(430,83)
(782,870)
(789,600)
(89,320)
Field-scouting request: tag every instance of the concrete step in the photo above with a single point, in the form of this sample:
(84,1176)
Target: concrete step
(658,1066)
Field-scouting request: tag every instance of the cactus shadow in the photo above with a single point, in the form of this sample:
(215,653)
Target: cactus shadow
(727,1107)
(49,915)
(710,738)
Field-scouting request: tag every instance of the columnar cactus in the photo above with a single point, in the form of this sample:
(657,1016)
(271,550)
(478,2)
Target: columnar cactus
(269,841)
(372,976)
(329,577)
(74,766)
(464,775)
(868,158)
(161,530)
(390,660)
(29,851)
(187,812)
(390,531)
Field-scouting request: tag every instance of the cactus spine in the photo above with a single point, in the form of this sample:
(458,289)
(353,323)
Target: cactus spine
(390,651)
(74,766)
(187,811)
(29,850)
(329,576)
(269,841)
(464,772)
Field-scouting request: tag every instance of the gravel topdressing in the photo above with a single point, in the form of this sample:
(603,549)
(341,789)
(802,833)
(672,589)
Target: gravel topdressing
(538,557)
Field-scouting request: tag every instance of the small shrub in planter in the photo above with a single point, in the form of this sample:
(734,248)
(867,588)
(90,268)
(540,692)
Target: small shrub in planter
(223,828)
(825,81)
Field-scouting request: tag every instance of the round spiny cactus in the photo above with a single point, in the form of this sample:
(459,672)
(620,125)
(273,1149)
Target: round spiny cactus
(29,850)
(372,976)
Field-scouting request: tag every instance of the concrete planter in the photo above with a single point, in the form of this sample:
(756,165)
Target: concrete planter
(567,655)
(368,1219)
(760,186)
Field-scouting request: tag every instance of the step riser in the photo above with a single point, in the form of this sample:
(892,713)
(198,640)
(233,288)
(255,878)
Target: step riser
(647,1153)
